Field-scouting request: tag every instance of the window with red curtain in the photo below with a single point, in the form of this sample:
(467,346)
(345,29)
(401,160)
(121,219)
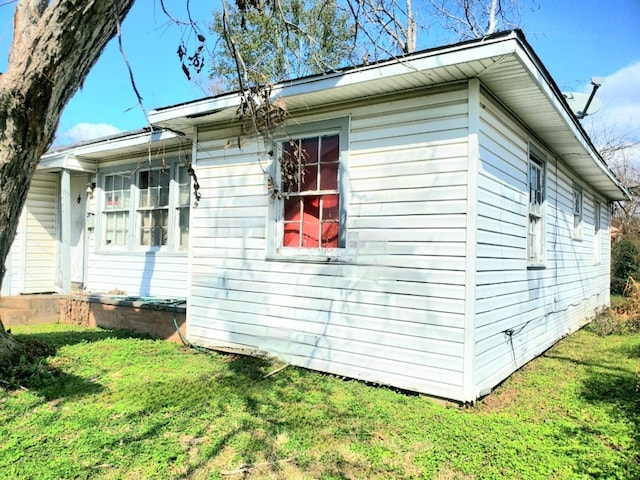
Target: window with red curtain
(312,199)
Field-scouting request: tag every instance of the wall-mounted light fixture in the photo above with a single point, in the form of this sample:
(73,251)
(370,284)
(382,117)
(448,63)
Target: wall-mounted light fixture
(90,188)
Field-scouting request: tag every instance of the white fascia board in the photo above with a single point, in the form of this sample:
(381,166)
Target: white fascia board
(198,108)
(419,65)
(536,73)
(140,139)
(67,161)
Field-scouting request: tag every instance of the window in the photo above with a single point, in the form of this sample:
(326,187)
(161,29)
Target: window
(597,240)
(577,212)
(537,192)
(117,194)
(153,207)
(153,203)
(309,205)
(182,210)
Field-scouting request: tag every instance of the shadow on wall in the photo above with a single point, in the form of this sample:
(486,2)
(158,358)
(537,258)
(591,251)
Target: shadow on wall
(147,273)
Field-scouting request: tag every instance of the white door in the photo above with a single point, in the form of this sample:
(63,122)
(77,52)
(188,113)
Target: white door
(78,210)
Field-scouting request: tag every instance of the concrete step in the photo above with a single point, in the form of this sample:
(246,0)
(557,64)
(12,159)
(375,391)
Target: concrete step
(29,309)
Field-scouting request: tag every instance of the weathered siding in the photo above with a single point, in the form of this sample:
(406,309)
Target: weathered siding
(521,312)
(395,312)
(38,236)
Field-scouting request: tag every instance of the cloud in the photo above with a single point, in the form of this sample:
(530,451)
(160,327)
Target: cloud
(86,131)
(620,111)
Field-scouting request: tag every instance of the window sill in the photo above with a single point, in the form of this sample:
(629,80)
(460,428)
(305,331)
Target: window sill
(172,253)
(333,256)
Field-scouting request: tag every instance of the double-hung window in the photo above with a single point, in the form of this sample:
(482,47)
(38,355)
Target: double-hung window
(117,196)
(309,207)
(153,207)
(537,194)
(578,200)
(146,208)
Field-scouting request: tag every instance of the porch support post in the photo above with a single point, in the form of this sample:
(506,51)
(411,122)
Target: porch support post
(65,231)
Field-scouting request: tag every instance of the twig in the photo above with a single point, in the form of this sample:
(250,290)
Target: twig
(275,371)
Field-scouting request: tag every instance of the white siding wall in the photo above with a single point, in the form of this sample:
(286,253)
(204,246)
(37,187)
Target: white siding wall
(138,274)
(395,313)
(37,252)
(13,274)
(538,306)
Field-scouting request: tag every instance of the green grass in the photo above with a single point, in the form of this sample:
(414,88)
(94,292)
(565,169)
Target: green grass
(132,408)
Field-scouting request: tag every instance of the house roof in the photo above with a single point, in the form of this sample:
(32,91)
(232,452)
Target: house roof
(504,63)
(83,156)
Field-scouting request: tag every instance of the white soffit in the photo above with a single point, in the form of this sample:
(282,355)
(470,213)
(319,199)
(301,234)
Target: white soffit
(504,63)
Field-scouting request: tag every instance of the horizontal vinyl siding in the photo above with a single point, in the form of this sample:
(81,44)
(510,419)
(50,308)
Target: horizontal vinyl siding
(394,313)
(538,306)
(137,274)
(40,255)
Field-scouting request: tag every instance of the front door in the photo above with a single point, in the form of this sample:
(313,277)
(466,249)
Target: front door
(78,210)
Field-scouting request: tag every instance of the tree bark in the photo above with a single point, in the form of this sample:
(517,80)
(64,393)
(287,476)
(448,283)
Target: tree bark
(54,47)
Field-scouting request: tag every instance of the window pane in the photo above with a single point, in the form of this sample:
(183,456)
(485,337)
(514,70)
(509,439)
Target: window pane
(311,207)
(183,175)
(164,196)
(310,150)
(125,195)
(310,178)
(144,180)
(184,227)
(144,198)
(310,232)
(311,222)
(330,150)
(108,183)
(331,207)
(292,209)
(291,235)
(330,232)
(329,176)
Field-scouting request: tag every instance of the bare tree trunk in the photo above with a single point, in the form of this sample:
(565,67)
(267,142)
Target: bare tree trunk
(412,31)
(54,47)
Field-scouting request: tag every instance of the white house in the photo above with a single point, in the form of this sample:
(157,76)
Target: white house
(106,215)
(452,222)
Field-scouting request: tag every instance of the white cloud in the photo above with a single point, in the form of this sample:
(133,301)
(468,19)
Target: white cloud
(620,111)
(86,131)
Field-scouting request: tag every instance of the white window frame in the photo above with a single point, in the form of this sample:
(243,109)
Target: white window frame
(147,210)
(536,217)
(108,210)
(597,228)
(176,203)
(578,211)
(275,248)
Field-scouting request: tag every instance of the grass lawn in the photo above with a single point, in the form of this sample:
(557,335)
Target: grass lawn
(134,408)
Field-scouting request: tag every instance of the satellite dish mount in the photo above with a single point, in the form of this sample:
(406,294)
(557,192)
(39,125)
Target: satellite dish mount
(582,104)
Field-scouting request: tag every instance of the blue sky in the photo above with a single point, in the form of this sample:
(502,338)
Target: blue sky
(575,40)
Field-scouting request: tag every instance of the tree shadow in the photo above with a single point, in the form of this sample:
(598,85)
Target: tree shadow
(72,337)
(33,371)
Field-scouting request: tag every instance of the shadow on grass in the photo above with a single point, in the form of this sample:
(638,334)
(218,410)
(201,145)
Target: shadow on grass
(33,372)
(72,337)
